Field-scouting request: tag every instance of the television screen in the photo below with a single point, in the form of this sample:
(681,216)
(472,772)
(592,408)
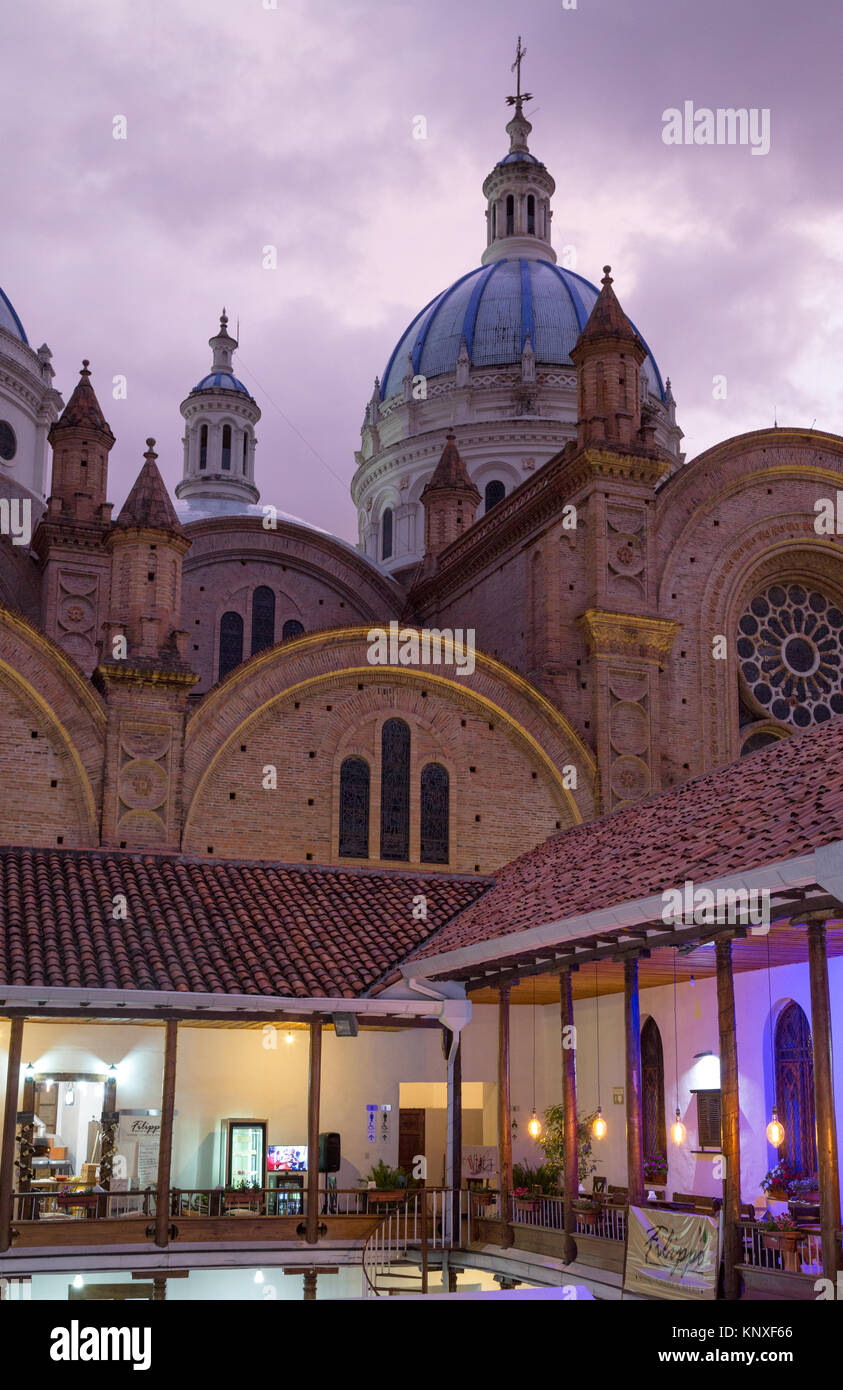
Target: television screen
(286,1158)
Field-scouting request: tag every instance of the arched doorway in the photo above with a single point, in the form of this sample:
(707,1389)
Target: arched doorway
(795,1091)
(652,1086)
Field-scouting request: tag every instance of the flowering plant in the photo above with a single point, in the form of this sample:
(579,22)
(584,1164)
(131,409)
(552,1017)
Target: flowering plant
(655,1168)
(785,1222)
(777,1180)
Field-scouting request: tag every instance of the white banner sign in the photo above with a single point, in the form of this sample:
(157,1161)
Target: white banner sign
(135,1128)
(671,1254)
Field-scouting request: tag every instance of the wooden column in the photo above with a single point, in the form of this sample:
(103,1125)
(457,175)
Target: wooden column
(453,1156)
(730,1118)
(10,1120)
(314,1085)
(310,1277)
(569,1108)
(634,1135)
(829,1177)
(504,1110)
(165,1145)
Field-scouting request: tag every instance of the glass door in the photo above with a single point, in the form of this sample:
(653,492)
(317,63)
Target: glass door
(247,1152)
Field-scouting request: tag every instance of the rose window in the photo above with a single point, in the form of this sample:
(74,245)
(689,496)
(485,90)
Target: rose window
(790,645)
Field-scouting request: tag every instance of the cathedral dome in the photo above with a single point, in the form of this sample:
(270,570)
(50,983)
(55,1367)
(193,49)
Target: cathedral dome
(493,309)
(9,319)
(221,381)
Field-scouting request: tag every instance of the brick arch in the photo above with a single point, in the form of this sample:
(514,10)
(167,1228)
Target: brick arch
(336,662)
(38,678)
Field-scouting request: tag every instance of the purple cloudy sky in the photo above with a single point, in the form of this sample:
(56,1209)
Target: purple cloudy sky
(293,126)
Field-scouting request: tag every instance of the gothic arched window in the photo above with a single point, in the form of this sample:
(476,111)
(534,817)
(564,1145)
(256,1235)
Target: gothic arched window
(231,643)
(226,447)
(795,1091)
(531,215)
(263,618)
(652,1088)
(354,809)
(510,214)
(395,790)
(386,534)
(245,452)
(292,628)
(493,493)
(434,814)
(203,447)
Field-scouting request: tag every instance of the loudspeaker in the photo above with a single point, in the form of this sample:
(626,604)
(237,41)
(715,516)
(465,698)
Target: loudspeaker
(330,1155)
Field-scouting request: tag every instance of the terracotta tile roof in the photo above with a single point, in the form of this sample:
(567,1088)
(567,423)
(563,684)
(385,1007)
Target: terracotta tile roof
(83,410)
(148,504)
(783,801)
(211,927)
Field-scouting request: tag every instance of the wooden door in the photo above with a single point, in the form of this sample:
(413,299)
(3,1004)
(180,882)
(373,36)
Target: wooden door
(410,1138)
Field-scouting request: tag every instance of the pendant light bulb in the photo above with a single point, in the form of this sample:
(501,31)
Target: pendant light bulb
(534,1127)
(775,1131)
(678,1130)
(599,1127)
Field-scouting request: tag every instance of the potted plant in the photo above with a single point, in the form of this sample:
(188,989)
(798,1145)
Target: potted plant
(655,1169)
(775,1183)
(552,1141)
(587,1210)
(783,1236)
(391,1182)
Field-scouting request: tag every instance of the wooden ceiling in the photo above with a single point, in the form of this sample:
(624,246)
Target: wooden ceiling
(788,946)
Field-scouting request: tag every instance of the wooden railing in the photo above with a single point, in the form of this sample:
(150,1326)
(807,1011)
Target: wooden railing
(782,1252)
(547,1213)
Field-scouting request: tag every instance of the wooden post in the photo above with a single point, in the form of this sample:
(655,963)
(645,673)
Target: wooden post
(165,1145)
(313,1089)
(452,1045)
(10,1120)
(569,1108)
(730,1118)
(504,1111)
(310,1276)
(634,1135)
(829,1177)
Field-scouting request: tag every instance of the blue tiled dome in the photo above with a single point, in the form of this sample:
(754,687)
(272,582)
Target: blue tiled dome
(494,308)
(9,319)
(224,381)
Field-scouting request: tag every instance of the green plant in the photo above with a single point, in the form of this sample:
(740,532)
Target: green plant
(541,1179)
(655,1168)
(785,1222)
(552,1141)
(386,1179)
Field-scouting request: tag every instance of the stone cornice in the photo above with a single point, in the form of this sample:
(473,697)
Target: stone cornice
(626,635)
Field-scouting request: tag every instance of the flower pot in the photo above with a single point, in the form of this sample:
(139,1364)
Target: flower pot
(526,1203)
(777,1194)
(784,1241)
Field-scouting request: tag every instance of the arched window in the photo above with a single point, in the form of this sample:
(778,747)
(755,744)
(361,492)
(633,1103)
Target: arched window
(203,447)
(531,215)
(354,809)
(292,628)
(434,814)
(386,534)
(652,1089)
(494,493)
(795,1091)
(494,220)
(263,618)
(395,790)
(226,447)
(231,643)
(245,452)
(510,214)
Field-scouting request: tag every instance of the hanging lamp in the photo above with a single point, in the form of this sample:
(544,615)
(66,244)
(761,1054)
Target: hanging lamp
(775,1129)
(599,1127)
(677,1129)
(534,1125)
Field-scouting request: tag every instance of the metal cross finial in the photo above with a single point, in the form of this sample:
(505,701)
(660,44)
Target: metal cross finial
(520,54)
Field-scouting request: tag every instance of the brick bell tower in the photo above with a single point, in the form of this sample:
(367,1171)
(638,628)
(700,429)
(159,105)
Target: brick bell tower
(612,477)
(143,672)
(450,502)
(70,538)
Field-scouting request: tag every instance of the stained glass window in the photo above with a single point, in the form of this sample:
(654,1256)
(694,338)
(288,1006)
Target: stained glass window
(231,643)
(263,618)
(652,1081)
(354,808)
(434,814)
(395,790)
(795,1091)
